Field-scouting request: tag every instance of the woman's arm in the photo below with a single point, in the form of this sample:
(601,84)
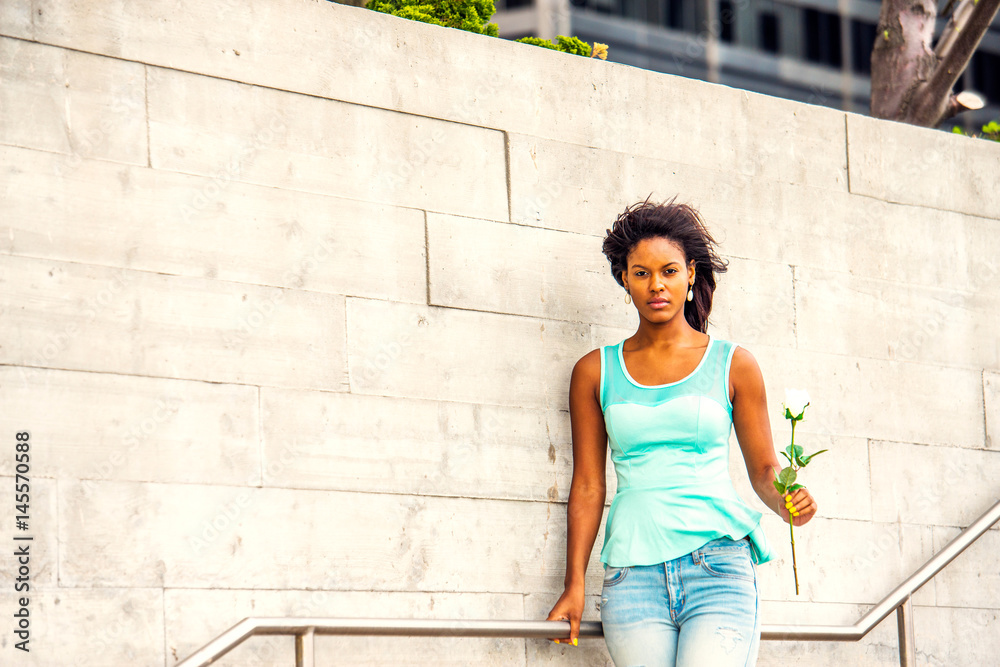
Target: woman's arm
(588,490)
(753,431)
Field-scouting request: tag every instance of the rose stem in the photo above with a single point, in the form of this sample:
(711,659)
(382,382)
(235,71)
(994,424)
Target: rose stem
(791,519)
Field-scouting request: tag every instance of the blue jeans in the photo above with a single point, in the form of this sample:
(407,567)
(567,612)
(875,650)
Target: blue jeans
(698,610)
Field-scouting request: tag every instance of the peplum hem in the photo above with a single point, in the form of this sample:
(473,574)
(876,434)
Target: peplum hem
(651,526)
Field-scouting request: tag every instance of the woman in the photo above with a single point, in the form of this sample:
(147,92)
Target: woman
(680,546)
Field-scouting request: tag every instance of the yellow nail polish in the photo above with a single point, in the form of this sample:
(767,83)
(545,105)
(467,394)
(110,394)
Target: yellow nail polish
(574,641)
(788,497)
(557,641)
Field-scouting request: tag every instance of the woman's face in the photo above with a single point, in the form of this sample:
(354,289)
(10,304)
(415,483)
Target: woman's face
(658,278)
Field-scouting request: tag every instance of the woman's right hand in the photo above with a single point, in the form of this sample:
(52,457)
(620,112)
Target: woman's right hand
(569,607)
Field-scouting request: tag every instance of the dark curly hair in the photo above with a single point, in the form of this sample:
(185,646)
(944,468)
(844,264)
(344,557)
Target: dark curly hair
(683,225)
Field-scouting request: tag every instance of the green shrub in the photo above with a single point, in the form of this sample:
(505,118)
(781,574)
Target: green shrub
(538,41)
(990,131)
(470,15)
(565,44)
(474,16)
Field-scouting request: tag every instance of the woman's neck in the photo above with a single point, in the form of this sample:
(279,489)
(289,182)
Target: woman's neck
(667,335)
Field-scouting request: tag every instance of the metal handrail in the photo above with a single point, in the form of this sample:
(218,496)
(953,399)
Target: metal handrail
(305,629)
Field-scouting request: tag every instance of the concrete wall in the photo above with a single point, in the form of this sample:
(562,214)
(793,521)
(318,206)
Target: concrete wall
(291,291)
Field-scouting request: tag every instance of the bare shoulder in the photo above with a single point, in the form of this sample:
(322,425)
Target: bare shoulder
(589,366)
(744,373)
(744,363)
(587,374)
(590,362)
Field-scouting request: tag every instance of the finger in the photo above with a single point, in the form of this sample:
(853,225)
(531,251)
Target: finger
(806,504)
(807,514)
(574,630)
(790,506)
(802,499)
(553,616)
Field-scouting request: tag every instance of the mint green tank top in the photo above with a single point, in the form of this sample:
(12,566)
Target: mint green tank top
(670,447)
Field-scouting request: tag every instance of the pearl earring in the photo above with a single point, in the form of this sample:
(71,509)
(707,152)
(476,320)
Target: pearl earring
(628,296)
(691,292)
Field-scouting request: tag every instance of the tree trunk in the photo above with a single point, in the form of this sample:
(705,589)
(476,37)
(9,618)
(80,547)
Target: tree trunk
(912,83)
(902,58)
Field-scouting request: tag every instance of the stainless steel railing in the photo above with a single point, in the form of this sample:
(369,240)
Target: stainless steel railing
(306,629)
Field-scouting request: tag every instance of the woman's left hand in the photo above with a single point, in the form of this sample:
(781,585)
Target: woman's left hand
(799,507)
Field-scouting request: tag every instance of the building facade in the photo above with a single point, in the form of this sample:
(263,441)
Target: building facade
(814,51)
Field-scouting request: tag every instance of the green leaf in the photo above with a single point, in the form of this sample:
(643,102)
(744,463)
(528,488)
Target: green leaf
(536,41)
(786,456)
(787,476)
(573,45)
(795,487)
(807,459)
(779,486)
(470,15)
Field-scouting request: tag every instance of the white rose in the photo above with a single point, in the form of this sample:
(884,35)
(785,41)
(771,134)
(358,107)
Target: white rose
(795,403)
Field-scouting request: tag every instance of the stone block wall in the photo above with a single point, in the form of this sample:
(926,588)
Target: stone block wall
(290,293)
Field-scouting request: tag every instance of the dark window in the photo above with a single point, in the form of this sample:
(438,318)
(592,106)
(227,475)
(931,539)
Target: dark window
(726,19)
(822,37)
(674,15)
(862,42)
(769,32)
(986,75)
(633,9)
(599,6)
(516,4)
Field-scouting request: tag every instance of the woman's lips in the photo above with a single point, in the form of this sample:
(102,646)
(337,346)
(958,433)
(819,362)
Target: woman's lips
(658,303)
